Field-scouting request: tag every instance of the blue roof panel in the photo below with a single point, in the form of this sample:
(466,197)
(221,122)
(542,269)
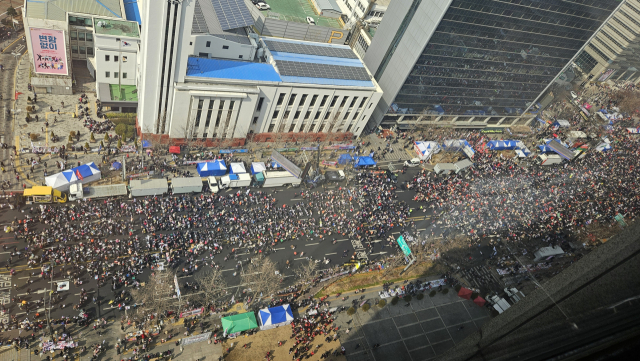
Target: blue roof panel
(231,69)
(132,11)
(325,81)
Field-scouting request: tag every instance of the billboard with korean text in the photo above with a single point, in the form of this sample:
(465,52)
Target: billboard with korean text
(49,52)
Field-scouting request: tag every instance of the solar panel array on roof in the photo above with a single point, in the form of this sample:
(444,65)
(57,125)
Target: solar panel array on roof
(232,14)
(312,70)
(286,47)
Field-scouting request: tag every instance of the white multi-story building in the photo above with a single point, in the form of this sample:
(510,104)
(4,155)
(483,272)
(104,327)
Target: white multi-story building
(103,36)
(370,11)
(205,75)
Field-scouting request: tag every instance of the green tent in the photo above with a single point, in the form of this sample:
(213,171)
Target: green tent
(238,323)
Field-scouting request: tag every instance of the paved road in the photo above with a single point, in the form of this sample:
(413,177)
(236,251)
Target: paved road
(311,247)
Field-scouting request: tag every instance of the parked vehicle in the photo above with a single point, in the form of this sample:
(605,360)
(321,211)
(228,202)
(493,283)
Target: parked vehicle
(186,185)
(412,163)
(548,159)
(234,181)
(310,21)
(277,178)
(42,194)
(334,176)
(149,187)
(79,192)
(263,6)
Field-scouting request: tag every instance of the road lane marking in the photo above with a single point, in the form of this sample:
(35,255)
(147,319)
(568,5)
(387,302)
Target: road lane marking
(329,254)
(311,244)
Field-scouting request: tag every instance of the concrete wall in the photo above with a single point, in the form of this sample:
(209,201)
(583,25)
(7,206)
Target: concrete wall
(215,49)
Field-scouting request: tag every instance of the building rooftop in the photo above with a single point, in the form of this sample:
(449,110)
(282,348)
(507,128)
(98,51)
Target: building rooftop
(57,9)
(218,16)
(124,93)
(231,69)
(132,11)
(328,5)
(116,27)
(295,62)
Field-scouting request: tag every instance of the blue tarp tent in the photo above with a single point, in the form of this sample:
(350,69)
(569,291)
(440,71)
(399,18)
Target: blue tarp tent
(83,174)
(237,168)
(275,316)
(439,109)
(258,167)
(116,165)
(345,158)
(502,145)
(146,144)
(364,161)
(545,149)
(275,164)
(216,168)
(561,123)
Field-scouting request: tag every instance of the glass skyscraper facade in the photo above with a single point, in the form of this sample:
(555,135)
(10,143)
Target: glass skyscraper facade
(494,57)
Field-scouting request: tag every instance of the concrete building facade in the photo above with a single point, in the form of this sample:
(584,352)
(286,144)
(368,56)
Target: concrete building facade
(210,80)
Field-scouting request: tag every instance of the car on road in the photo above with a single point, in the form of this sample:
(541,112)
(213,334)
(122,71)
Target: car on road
(310,21)
(412,163)
(263,6)
(334,176)
(574,95)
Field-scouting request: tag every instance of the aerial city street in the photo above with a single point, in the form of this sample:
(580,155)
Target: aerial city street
(181,179)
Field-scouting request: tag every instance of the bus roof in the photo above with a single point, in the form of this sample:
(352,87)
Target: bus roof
(38,191)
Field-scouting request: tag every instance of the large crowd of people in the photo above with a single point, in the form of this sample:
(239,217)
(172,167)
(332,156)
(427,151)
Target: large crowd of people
(113,241)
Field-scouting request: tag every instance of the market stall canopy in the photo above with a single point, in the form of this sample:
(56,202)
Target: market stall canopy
(146,144)
(275,316)
(459,145)
(505,144)
(465,293)
(479,301)
(116,165)
(258,167)
(215,168)
(85,173)
(561,150)
(345,158)
(364,161)
(561,123)
(237,168)
(545,149)
(174,149)
(238,323)
(426,149)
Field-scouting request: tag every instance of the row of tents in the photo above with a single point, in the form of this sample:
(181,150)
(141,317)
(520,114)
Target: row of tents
(219,168)
(268,317)
(82,174)
(426,149)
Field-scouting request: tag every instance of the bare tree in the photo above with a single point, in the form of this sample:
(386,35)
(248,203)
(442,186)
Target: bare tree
(158,293)
(261,277)
(306,271)
(213,285)
(628,101)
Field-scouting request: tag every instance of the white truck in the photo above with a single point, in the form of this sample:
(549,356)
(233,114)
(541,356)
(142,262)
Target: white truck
(148,187)
(234,181)
(78,192)
(548,159)
(213,184)
(279,178)
(444,168)
(414,162)
(186,185)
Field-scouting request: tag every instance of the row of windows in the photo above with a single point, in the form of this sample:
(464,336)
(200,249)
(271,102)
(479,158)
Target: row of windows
(115,58)
(84,50)
(314,98)
(107,74)
(78,21)
(559,10)
(80,35)
(600,53)
(507,50)
(418,84)
(586,62)
(536,23)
